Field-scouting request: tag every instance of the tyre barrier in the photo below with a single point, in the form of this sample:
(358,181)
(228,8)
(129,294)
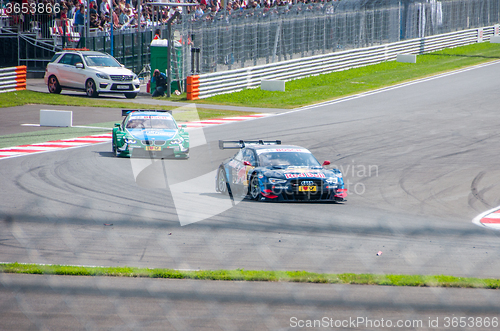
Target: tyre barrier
(12,79)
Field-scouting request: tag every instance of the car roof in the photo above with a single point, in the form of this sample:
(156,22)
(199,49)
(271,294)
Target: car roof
(84,52)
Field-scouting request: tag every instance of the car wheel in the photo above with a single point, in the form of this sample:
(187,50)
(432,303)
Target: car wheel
(255,188)
(222,186)
(91,89)
(115,150)
(130,95)
(53,85)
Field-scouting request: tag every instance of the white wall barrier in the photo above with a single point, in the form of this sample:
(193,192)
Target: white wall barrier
(272,85)
(12,79)
(235,80)
(407,58)
(61,118)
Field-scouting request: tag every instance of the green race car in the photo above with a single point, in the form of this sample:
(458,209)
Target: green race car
(150,134)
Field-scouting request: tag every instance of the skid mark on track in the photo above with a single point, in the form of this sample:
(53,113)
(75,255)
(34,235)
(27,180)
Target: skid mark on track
(475,192)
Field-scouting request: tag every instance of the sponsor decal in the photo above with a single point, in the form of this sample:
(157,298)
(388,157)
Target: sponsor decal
(305,174)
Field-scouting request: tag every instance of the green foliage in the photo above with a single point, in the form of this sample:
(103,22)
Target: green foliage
(256,275)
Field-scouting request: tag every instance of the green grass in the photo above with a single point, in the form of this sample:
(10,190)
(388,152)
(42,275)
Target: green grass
(41,136)
(325,87)
(256,275)
(25,97)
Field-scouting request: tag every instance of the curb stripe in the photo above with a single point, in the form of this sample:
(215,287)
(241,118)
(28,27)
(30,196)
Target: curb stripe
(489,219)
(57,145)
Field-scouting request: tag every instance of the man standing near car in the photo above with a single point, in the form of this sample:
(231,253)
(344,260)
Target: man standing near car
(161,83)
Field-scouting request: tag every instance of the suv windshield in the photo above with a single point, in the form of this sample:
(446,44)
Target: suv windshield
(101,61)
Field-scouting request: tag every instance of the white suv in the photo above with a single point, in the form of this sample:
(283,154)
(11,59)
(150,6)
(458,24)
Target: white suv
(89,71)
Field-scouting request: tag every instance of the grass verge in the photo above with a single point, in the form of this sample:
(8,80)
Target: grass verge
(25,97)
(326,87)
(256,275)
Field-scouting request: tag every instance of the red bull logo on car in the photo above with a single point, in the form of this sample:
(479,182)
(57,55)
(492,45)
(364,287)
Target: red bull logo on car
(305,174)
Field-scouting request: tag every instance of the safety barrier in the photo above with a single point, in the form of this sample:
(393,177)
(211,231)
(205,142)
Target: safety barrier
(193,87)
(235,80)
(12,79)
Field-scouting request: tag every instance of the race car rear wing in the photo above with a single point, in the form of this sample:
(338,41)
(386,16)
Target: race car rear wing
(237,144)
(125,112)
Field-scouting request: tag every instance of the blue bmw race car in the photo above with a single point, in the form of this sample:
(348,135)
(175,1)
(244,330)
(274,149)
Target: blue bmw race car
(269,171)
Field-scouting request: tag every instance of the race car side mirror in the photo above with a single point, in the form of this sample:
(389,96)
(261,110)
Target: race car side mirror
(326,163)
(117,124)
(247,163)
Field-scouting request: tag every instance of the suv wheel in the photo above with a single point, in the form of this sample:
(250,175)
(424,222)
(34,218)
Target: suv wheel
(91,89)
(53,85)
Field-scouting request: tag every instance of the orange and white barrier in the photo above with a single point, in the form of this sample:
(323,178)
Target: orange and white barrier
(12,79)
(193,87)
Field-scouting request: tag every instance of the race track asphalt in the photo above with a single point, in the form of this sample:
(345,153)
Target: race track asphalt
(420,162)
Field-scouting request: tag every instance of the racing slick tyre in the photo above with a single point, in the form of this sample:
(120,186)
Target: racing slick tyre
(130,95)
(254,188)
(91,89)
(222,185)
(53,85)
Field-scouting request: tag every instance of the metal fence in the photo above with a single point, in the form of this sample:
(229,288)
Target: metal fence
(231,40)
(243,38)
(130,47)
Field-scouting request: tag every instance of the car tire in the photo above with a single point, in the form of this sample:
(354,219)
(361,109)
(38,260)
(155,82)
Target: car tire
(222,185)
(130,95)
(115,150)
(254,188)
(53,85)
(91,89)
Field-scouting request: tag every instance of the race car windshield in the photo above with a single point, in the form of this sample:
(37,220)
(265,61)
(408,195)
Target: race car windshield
(151,123)
(287,159)
(101,61)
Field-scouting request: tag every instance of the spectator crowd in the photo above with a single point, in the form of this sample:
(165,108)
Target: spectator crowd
(131,13)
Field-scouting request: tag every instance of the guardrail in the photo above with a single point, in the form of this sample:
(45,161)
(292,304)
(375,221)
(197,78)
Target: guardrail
(235,80)
(12,79)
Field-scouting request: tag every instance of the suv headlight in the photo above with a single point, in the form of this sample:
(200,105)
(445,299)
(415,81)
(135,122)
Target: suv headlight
(136,77)
(277,180)
(102,76)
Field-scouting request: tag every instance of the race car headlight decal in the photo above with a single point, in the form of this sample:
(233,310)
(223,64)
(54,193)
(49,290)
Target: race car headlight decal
(130,141)
(332,180)
(277,180)
(176,141)
(102,76)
